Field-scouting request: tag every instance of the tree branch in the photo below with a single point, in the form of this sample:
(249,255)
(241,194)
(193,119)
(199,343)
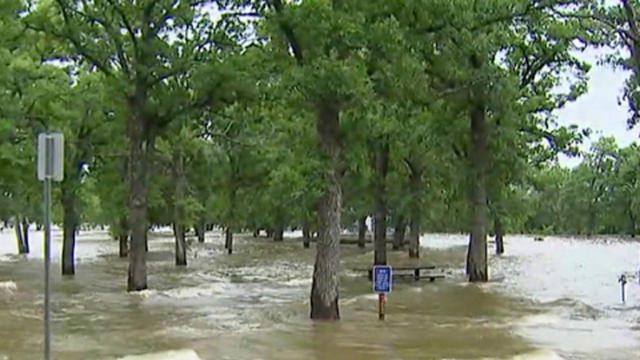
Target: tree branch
(288,31)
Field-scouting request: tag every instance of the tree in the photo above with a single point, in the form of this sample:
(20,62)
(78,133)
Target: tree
(145,51)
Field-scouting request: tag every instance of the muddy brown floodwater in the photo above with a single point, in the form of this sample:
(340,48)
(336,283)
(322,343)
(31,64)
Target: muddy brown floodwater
(557,299)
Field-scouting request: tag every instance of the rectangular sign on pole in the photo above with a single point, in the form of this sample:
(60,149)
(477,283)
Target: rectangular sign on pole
(382,279)
(50,156)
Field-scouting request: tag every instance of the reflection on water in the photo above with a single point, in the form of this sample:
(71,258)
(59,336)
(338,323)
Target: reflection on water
(549,300)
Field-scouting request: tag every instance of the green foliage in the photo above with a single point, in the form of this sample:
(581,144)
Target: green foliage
(230,98)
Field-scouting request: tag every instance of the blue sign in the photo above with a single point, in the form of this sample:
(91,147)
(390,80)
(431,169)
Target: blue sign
(382,278)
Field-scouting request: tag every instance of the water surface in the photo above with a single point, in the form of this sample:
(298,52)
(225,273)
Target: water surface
(557,299)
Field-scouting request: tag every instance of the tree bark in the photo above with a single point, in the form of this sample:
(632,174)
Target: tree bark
(306,236)
(477,267)
(362,231)
(399,233)
(324,287)
(137,133)
(19,235)
(380,212)
(499,235)
(228,240)
(69,227)
(25,234)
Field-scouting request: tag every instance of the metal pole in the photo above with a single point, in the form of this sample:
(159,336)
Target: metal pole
(381,305)
(47,250)
(623,281)
(47,275)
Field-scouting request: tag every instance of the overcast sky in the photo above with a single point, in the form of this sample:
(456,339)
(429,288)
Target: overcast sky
(599,109)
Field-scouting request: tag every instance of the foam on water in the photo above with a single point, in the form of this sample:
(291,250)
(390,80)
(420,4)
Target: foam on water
(144,294)
(8,287)
(540,319)
(187,354)
(542,354)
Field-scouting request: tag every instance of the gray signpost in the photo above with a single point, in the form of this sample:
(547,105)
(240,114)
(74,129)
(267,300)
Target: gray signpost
(50,167)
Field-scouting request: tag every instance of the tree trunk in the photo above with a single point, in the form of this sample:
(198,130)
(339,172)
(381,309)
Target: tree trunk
(69,227)
(278,235)
(477,267)
(19,235)
(591,225)
(25,234)
(178,208)
(632,221)
(137,133)
(306,236)
(123,237)
(499,235)
(228,240)
(200,230)
(324,288)
(399,233)
(123,241)
(415,179)
(180,245)
(362,231)
(414,237)
(380,212)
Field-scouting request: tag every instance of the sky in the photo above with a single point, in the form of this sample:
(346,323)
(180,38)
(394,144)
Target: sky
(599,108)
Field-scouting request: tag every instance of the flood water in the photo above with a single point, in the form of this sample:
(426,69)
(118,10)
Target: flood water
(557,299)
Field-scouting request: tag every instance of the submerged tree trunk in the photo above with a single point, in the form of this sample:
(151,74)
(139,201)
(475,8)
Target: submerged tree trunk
(22,248)
(228,240)
(415,182)
(324,288)
(70,225)
(477,268)
(380,212)
(306,236)
(499,235)
(137,133)
(362,231)
(25,233)
(399,233)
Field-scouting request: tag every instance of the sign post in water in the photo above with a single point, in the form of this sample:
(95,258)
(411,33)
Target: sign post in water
(382,280)
(50,167)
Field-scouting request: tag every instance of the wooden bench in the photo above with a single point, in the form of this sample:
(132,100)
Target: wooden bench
(413,272)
